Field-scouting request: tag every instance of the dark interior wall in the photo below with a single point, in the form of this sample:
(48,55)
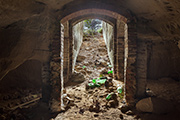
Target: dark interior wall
(163,60)
(25,30)
(25,77)
(23,40)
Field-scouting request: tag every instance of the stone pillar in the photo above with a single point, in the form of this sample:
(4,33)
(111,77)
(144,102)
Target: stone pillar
(62,64)
(66,52)
(115,52)
(70,64)
(131,77)
(66,55)
(119,56)
(55,79)
(141,68)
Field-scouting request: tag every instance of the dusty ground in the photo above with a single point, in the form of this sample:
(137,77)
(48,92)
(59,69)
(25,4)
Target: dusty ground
(165,88)
(90,104)
(93,62)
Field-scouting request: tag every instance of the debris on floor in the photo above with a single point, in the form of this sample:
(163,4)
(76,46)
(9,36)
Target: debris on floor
(99,96)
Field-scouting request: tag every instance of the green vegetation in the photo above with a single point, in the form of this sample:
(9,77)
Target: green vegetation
(110,72)
(92,27)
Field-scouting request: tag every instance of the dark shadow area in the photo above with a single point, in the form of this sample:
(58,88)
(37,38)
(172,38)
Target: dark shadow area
(20,94)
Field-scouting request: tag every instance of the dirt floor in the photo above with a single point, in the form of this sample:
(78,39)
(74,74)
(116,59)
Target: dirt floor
(82,102)
(91,103)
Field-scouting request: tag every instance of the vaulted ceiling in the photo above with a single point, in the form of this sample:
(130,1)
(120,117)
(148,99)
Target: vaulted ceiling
(159,16)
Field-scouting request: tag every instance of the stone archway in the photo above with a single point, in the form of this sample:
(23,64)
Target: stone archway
(124,37)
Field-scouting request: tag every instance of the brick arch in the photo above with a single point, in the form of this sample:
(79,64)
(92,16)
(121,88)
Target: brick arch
(104,18)
(120,26)
(75,6)
(106,15)
(79,19)
(94,11)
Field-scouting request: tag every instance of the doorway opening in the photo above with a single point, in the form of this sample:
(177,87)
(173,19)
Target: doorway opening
(92,60)
(92,81)
(122,48)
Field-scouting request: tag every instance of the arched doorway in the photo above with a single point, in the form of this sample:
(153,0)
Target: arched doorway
(124,48)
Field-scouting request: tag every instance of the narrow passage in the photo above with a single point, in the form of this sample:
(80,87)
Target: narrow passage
(83,102)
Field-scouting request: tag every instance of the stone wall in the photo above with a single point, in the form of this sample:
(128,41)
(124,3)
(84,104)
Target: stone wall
(26,77)
(77,40)
(163,60)
(131,70)
(54,83)
(108,34)
(23,40)
(141,68)
(119,49)
(179,44)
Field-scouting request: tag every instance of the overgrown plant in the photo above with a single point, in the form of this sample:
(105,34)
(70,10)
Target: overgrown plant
(93,26)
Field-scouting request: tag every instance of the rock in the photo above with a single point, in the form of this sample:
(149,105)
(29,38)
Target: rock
(77,77)
(137,117)
(114,96)
(150,93)
(67,101)
(104,71)
(81,111)
(78,68)
(90,85)
(89,72)
(86,39)
(111,89)
(113,103)
(108,83)
(110,75)
(97,63)
(145,105)
(96,115)
(121,116)
(154,105)
(88,48)
(102,50)
(104,63)
(102,44)
(95,108)
(91,108)
(80,58)
(86,63)
(129,112)
(102,95)
(90,92)
(83,72)
(124,108)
